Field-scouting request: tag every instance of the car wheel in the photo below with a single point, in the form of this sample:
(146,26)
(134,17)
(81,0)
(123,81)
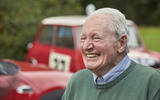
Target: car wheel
(53,95)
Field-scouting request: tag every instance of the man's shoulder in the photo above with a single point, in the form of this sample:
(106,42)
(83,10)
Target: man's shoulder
(146,71)
(152,76)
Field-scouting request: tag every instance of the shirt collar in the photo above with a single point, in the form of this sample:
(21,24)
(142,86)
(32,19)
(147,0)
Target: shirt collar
(114,72)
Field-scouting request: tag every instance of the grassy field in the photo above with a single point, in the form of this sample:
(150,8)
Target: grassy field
(151,37)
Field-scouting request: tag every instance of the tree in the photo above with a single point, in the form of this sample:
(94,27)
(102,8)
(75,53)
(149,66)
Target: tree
(19,21)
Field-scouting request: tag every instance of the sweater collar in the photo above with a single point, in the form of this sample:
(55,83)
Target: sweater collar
(114,72)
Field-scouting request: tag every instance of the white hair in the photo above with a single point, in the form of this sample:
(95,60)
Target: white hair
(119,26)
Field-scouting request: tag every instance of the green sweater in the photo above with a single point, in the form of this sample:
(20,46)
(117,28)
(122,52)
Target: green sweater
(136,83)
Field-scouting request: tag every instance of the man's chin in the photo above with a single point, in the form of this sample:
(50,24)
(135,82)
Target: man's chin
(92,68)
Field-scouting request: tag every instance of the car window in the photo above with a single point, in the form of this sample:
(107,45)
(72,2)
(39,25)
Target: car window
(134,39)
(46,35)
(7,68)
(79,31)
(64,37)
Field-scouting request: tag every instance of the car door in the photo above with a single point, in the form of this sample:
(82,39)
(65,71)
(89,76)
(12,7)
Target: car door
(42,45)
(62,55)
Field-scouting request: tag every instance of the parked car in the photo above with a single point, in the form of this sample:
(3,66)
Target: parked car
(25,81)
(57,44)
(138,51)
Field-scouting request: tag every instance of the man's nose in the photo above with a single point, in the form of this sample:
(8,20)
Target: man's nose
(88,45)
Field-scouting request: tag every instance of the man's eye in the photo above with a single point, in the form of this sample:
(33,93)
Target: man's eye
(82,38)
(96,38)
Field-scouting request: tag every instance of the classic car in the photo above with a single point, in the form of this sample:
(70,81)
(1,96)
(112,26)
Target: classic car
(24,81)
(138,51)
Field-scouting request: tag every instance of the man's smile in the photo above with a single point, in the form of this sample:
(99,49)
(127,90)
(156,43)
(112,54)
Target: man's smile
(92,55)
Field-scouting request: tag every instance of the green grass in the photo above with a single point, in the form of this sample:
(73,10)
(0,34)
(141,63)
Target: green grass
(151,37)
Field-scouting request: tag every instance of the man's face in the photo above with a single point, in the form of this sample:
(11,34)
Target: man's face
(98,44)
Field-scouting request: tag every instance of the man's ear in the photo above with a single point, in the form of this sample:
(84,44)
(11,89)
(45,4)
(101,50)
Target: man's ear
(122,43)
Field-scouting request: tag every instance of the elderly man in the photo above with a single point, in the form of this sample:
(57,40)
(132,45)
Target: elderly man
(110,74)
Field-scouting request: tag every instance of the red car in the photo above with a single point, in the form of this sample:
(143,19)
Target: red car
(138,52)
(25,81)
(57,44)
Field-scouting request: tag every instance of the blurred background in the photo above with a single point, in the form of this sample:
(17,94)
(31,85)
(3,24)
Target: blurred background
(20,19)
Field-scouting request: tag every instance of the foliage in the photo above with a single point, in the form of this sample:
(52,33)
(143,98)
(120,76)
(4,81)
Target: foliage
(143,12)
(19,21)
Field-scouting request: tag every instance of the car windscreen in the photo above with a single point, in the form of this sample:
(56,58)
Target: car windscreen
(7,68)
(46,34)
(134,39)
(64,37)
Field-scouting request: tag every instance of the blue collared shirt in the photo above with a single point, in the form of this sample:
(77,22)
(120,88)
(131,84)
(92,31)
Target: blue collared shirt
(114,72)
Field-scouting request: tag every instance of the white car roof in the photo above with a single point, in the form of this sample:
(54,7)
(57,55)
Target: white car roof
(69,20)
(65,20)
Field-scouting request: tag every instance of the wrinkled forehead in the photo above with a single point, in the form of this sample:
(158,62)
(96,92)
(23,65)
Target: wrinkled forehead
(100,17)
(98,21)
